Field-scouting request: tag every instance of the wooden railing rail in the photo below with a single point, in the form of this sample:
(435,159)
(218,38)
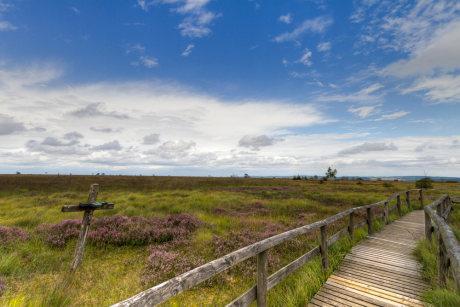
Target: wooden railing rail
(436,215)
(187,280)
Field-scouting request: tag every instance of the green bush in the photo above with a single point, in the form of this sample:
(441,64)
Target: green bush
(424,183)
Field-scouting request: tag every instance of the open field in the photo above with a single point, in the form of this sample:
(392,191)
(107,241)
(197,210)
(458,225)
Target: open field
(168,225)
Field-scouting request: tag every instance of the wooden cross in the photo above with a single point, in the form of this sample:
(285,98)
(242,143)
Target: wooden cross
(88,209)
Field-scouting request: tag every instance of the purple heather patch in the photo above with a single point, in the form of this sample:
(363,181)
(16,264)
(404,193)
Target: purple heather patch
(12,234)
(123,230)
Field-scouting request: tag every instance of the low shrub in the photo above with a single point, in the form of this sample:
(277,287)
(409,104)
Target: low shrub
(163,264)
(123,230)
(424,183)
(12,234)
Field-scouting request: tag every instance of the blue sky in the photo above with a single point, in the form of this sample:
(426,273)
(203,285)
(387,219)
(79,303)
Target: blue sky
(209,87)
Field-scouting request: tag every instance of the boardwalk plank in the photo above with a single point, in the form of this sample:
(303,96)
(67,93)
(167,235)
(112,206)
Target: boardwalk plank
(381,271)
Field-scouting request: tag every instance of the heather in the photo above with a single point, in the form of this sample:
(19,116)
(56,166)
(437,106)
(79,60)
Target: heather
(12,234)
(164,226)
(123,230)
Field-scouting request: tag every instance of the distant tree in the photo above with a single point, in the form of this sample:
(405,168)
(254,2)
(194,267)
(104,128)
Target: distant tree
(330,173)
(315,177)
(247,176)
(424,183)
(297,177)
(18,173)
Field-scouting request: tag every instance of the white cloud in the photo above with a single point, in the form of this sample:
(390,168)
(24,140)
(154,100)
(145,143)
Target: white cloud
(8,125)
(188,50)
(75,10)
(316,25)
(393,116)
(368,147)
(96,109)
(34,74)
(305,59)
(135,48)
(200,134)
(366,94)
(148,61)
(113,145)
(364,111)
(6,26)
(151,139)
(255,142)
(445,88)
(323,46)
(287,18)
(442,52)
(197,20)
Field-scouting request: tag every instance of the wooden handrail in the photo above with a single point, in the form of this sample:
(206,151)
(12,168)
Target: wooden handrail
(436,215)
(187,280)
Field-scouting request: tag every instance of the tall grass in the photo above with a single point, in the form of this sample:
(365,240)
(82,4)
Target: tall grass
(426,252)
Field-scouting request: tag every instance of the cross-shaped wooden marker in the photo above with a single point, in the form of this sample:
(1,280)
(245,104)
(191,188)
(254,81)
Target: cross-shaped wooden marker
(88,209)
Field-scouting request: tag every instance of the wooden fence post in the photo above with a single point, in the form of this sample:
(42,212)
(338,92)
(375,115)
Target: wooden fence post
(408,200)
(88,209)
(398,204)
(442,262)
(386,213)
(262,276)
(87,216)
(351,225)
(428,227)
(421,198)
(369,221)
(323,247)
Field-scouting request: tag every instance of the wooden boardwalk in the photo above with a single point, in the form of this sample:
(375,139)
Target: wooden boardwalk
(381,271)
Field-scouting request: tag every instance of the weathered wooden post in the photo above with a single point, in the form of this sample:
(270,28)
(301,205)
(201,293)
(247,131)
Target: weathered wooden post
(408,200)
(369,220)
(88,209)
(386,213)
(323,247)
(351,225)
(428,227)
(421,198)
(262,277)
(398,204)
(442,262)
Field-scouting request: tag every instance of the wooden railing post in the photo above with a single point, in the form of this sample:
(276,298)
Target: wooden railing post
(262,276)
(398,204)
(386,213)
(369,221)
(323,248)
(351,225)
(428,227)
(421,198)
(408,199)
(439,208)
(442,262)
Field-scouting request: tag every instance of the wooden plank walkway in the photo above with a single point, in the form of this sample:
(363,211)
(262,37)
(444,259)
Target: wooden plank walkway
(380,271)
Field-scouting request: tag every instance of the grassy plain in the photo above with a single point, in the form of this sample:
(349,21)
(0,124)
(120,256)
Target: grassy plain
(234,212)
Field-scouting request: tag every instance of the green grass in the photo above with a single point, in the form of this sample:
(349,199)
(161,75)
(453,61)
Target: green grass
(426,253)
(37,274)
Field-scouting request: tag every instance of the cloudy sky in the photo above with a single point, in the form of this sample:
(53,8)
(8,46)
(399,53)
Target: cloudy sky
(214,87)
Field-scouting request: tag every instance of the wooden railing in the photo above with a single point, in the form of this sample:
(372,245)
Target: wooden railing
(265,282)
(436,215)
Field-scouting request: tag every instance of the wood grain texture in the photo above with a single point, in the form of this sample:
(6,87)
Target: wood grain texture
(87,216)
(382,274)
(449,247)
